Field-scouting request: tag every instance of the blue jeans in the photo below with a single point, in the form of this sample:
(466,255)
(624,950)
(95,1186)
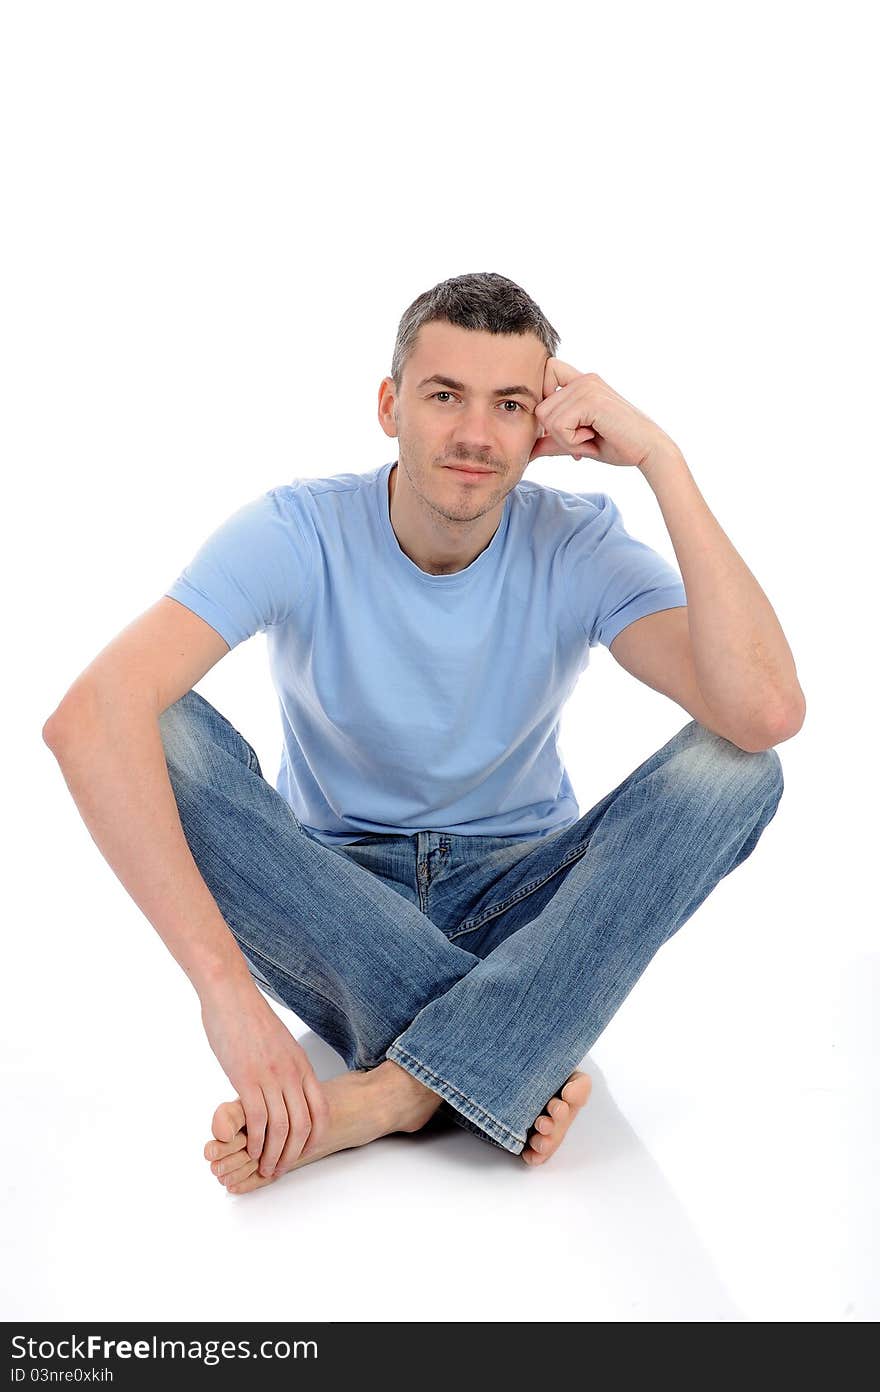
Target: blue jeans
(485,967)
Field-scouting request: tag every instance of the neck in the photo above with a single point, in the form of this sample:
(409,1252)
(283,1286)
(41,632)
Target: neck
(438,545)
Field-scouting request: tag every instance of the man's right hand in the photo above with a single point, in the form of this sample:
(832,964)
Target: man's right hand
(284,1104)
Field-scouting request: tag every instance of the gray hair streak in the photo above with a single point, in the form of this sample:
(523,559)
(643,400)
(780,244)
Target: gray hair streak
(482,300)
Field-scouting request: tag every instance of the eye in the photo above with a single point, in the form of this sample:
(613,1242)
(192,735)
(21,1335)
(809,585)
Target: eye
(509,402)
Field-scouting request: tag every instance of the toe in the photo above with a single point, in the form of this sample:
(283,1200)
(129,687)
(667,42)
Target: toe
(550,1127)
(216,1150)
(232,1163)
(577,1089)
(228,1119)
(238,1176)
(253,1181)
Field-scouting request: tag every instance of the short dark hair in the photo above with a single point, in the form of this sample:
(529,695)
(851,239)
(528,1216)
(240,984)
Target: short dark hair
(481,300)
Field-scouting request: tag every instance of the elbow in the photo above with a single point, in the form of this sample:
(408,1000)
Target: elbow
(782,727)
(50,733)
(54,729)
(74,710)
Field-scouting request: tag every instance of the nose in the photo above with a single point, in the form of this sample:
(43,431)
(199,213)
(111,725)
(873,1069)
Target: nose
(474,432)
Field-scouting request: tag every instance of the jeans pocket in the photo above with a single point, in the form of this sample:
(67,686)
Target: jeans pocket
(521,892)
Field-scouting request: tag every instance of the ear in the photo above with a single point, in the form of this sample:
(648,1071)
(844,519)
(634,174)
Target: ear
(387,408)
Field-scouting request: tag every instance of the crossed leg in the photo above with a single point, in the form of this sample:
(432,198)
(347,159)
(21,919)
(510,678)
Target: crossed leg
(366,970)
(367,1105)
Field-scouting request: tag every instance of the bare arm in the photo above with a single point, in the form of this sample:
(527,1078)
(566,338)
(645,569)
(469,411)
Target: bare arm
(113,761)
(106,738)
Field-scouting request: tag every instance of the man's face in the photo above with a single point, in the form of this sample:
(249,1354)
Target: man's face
(486,422)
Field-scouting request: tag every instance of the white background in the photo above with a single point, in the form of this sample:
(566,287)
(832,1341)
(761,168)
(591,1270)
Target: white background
(214,217)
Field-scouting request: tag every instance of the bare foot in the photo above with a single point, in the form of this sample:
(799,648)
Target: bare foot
(551,1126)
(363,1106)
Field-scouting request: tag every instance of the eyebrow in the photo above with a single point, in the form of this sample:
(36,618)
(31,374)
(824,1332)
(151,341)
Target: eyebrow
(460,386)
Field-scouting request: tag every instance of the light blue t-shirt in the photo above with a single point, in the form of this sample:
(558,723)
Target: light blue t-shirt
(415,702)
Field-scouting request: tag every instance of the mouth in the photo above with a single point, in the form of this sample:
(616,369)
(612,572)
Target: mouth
(467,472)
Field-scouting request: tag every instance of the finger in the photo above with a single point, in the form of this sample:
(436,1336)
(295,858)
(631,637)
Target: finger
(548,385)
(558,374)
(568,429)
(319,1111)
(278,1130)
(549,444)
(256,1117)
(587,451)
(300,1128)
(563,422)
(545,445)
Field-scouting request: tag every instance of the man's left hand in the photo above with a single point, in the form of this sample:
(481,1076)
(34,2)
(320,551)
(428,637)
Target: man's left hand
(587,418)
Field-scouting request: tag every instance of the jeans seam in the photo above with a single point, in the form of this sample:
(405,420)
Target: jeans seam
(253,760)
(470,924)
(261,955)
(474,1110)
(306,986)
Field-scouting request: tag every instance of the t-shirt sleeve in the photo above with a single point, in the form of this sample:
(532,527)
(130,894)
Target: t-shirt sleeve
(612,577)
(251,572)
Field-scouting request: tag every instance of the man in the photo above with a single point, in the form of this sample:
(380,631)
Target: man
(419,886)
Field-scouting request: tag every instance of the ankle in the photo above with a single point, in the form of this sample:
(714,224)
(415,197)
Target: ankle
(405,1103)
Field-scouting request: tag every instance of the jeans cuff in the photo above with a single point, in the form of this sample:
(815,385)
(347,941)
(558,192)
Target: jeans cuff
(480,1120)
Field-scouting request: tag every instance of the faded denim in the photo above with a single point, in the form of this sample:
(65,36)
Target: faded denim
(485,967)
